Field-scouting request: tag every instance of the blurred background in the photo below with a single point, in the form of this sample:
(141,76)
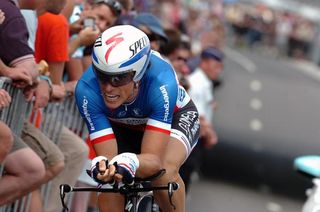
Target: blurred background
(267,99)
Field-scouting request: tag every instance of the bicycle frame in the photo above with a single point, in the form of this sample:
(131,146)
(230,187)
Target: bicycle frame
(132,193)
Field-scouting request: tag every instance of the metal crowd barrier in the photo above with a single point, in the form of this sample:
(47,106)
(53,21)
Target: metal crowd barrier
(73,119)
(54,116)
(14,116)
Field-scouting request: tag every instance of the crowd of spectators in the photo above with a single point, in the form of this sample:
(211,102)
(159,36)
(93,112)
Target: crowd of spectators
(60,34)
(288,33)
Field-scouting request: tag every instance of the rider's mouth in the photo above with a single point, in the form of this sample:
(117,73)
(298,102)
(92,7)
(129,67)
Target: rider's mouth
(111,97)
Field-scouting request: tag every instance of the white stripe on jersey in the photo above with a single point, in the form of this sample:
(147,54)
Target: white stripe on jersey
(181,137)
(183,97)
(101,133)
(159,124)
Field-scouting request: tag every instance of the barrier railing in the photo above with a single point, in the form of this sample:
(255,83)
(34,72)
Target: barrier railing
(54,116)
(14,116)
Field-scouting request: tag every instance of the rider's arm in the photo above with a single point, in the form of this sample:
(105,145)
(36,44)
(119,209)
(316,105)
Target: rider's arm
(162,99)
(90,105)
(107,148)
(152,149)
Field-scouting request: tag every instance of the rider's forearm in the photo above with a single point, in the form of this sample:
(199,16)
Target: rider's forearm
(149,164)
(108,149)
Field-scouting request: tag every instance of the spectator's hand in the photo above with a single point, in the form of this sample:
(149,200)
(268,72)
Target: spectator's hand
(58,92)
(29,92)
(42,95)
(207,133)
(2,17)
(76,27)
(5,98)
(88,36)
(210,138)
(20,76)
(70,86)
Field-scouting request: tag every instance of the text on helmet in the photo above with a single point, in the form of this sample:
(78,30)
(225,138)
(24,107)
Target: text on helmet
(138,45)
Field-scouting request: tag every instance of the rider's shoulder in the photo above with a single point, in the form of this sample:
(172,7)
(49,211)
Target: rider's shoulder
(87,81)
(159,65)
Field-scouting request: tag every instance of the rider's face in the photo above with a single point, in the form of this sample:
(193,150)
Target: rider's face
(116,96)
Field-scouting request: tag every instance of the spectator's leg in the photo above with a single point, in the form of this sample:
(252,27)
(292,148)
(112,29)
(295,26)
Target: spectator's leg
(23,172)
(80,200)
(6,140)
(50,155)
(93,202)
(75,152)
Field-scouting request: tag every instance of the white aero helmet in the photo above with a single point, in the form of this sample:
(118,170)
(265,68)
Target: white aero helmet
(119,50)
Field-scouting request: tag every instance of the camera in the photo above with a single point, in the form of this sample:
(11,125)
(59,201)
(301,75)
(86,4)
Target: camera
(89,22)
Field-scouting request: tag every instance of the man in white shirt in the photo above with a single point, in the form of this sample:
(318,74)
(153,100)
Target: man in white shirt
(201,91)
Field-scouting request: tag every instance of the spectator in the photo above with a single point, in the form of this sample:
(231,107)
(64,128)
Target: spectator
(106,14)
(6,138)
(283,30)
(56,54)
(177,50)
(151,25)
(128,13)
(20,178)
(201,90)
(81,35)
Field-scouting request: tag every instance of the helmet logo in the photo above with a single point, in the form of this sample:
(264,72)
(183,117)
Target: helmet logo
(138,45)
(114,40)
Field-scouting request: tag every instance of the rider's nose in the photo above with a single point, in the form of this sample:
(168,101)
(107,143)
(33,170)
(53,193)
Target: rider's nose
(106,87)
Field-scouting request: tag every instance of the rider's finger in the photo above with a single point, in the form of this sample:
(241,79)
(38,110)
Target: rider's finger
(112,170)
(102,167)
(118,177)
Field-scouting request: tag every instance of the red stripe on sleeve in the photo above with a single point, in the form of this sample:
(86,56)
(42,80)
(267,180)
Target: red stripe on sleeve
(149,127)
(102,139)
(176,109)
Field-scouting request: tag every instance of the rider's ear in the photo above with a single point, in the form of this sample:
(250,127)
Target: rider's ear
(135,85)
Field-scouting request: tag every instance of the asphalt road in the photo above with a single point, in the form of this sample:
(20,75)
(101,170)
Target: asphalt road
(219,196)
(267,115)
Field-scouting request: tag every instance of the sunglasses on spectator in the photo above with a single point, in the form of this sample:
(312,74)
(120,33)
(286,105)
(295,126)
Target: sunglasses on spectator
(115,6)
(116,80)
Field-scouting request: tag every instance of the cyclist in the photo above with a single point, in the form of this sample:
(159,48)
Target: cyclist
(137,115)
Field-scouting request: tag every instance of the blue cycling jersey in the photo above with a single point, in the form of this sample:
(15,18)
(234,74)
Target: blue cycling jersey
(158,98)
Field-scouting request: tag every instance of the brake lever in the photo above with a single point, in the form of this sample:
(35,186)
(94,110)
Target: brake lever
(64,188)
(171,188)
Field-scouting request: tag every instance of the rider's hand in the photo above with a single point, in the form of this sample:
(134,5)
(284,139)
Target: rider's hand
(98,170)
(126,165)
